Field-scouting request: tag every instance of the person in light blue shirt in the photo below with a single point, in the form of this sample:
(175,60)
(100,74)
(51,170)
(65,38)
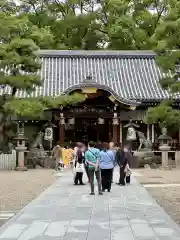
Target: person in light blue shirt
(92,161)
(106,164)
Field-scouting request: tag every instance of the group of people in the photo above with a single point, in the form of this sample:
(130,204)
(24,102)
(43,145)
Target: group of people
(100,160)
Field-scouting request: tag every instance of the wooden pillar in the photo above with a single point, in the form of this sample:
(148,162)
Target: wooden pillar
(110,130)
(101,123)
(179,140)
(177,159)
(152,133)
(114,135)
(148,132)
(61,129)
(115,128)
(120,132)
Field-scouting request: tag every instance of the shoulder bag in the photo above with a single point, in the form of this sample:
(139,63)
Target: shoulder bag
(93,155)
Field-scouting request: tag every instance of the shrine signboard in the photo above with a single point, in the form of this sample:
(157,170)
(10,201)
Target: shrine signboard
(89,90)
(88,111)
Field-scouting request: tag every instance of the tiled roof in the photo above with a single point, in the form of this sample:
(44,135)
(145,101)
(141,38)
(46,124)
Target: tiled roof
(128,75)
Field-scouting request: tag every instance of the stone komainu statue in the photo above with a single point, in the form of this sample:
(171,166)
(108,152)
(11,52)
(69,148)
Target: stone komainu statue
(144,154)
(144,143)
(37,153)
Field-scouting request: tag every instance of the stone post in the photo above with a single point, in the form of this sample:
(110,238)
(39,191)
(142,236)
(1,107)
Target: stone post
(165,160)
(177,159)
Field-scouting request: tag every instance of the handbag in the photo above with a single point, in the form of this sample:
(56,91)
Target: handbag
(127,170)
(79,168)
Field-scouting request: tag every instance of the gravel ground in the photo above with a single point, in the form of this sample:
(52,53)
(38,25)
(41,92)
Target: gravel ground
(17,189)
(169,199)
(158,176)
(168,196)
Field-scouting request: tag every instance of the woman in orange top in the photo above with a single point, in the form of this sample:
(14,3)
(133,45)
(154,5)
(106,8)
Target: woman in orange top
(67,154)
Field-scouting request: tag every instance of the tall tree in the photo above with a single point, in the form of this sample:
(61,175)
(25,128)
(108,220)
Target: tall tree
(119,25)
(93,24)
(73,23)
(19,64)
(167,42)
(165,116)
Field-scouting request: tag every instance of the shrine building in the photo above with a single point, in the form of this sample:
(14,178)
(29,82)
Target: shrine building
(119,85)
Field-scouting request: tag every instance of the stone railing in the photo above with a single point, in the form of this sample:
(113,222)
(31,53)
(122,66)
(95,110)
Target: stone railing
(8,161)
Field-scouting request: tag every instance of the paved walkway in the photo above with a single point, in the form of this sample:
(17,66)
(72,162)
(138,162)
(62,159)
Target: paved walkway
(67,212)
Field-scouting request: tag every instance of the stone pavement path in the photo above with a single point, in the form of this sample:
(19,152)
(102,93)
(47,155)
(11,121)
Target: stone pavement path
(67,212)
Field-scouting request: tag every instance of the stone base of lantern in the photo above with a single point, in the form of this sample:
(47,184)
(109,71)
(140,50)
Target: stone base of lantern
(20,150)
(165,160)
(165,168)
(22,169)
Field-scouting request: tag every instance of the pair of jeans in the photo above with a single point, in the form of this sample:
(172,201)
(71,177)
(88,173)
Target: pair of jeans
(91,172)
(106,175)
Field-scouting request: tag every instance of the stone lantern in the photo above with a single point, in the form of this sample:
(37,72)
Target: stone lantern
(164,139)
(20,148)
(164,147)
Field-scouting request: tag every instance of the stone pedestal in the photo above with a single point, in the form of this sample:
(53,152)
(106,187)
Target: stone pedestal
(165,160)
(20,151)
(177,159)
(164,147)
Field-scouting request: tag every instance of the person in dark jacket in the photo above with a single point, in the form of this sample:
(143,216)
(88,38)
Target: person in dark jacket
(124,157)
(79,154)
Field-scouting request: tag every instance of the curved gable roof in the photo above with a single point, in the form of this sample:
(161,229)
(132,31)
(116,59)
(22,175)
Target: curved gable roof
(131,75)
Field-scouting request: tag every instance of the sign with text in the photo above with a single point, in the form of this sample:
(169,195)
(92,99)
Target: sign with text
(48,134)
(89,90)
